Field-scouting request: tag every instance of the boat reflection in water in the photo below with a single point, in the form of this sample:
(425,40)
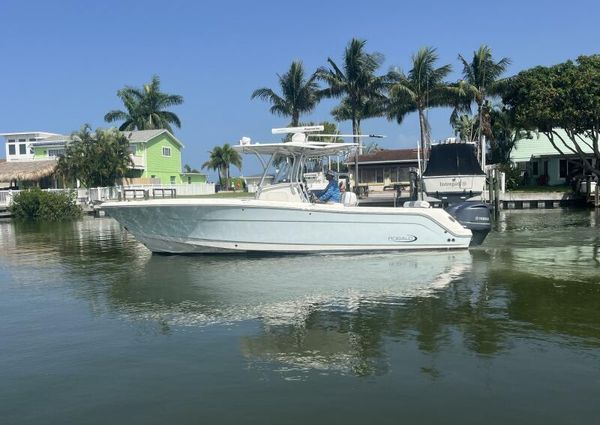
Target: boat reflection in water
(326,312)
(342,314)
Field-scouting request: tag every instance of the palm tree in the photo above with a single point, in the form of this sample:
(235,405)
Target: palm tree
(465,126)
(361,90)
(481,79)
(505,135)
(145,108)
(355,81)
(298,95)
(421,88)
(99,158)
(220,160)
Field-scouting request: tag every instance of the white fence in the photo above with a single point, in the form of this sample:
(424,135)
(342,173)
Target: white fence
(100,194)
(195,189)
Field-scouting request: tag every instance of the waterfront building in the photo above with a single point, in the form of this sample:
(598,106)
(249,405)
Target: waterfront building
(31,159)
(542,164)
(384,168)
(252,182)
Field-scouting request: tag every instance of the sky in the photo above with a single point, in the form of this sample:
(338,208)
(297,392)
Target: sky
(62,62)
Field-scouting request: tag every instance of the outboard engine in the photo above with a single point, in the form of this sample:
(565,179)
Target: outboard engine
(475,216)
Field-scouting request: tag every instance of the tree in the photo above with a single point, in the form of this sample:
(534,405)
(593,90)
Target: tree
(421,88)
(504,136)
(220,160)
(96,159)
(298,95)
(481,80)
(188,169)
(146,108)
(361,90)
(563,103)
(465,126)
(372,148)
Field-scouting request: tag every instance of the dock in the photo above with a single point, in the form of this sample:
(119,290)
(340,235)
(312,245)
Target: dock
(507,200)
(525,200)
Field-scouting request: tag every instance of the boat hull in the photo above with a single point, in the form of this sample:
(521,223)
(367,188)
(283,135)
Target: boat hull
(202,226)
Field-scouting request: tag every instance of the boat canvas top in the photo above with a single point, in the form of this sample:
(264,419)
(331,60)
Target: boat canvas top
(453,159)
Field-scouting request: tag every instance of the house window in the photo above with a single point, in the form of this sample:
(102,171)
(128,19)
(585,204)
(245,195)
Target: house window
(380,175)
(173,179)
(12,150)
(22,140)
(534,168)
(367,175)
(166,151)
(32,140)
(56,152)
(22,149)
(132,149)
(11,140)
(564,168)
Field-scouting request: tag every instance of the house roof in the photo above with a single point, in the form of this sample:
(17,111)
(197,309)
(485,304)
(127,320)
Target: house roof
(540,146)
(134,136)
(141,136)
(387,156)
(27,133)
(26,170)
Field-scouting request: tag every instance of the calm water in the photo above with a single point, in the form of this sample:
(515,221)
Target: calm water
(95,330)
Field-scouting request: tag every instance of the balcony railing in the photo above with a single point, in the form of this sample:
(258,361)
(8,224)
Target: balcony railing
(138,161)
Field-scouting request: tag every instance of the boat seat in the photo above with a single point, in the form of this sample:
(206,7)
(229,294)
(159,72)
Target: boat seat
(349,199)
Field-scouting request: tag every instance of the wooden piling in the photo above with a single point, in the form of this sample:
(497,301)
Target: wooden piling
(496,191)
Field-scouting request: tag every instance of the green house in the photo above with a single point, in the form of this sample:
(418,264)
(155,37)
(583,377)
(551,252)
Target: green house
(156,156)
(543,164)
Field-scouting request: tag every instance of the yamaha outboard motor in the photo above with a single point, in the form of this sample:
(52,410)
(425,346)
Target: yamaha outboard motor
(475,216)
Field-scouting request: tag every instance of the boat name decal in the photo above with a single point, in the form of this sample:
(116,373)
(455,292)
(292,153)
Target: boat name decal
(402,238)
(459,183)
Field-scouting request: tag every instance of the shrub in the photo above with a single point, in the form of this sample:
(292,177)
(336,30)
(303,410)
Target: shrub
(35,204)
(513,176)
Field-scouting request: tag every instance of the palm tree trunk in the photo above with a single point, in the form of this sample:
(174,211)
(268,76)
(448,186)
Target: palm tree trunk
(220,171)
(295,119)
(359,151)
(423,127)
(479,144)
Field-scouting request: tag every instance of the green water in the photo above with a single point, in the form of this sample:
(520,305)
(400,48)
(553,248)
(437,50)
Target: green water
(95,330)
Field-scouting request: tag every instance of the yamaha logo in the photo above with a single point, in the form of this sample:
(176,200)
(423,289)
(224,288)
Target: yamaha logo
(402,238)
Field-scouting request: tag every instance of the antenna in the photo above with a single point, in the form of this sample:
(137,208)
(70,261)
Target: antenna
(291,130)
(356,136)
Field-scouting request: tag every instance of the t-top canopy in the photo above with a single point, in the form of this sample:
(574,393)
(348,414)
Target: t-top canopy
(453,159)
(308,149)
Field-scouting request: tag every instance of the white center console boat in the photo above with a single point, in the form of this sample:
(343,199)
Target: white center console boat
(283,217)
